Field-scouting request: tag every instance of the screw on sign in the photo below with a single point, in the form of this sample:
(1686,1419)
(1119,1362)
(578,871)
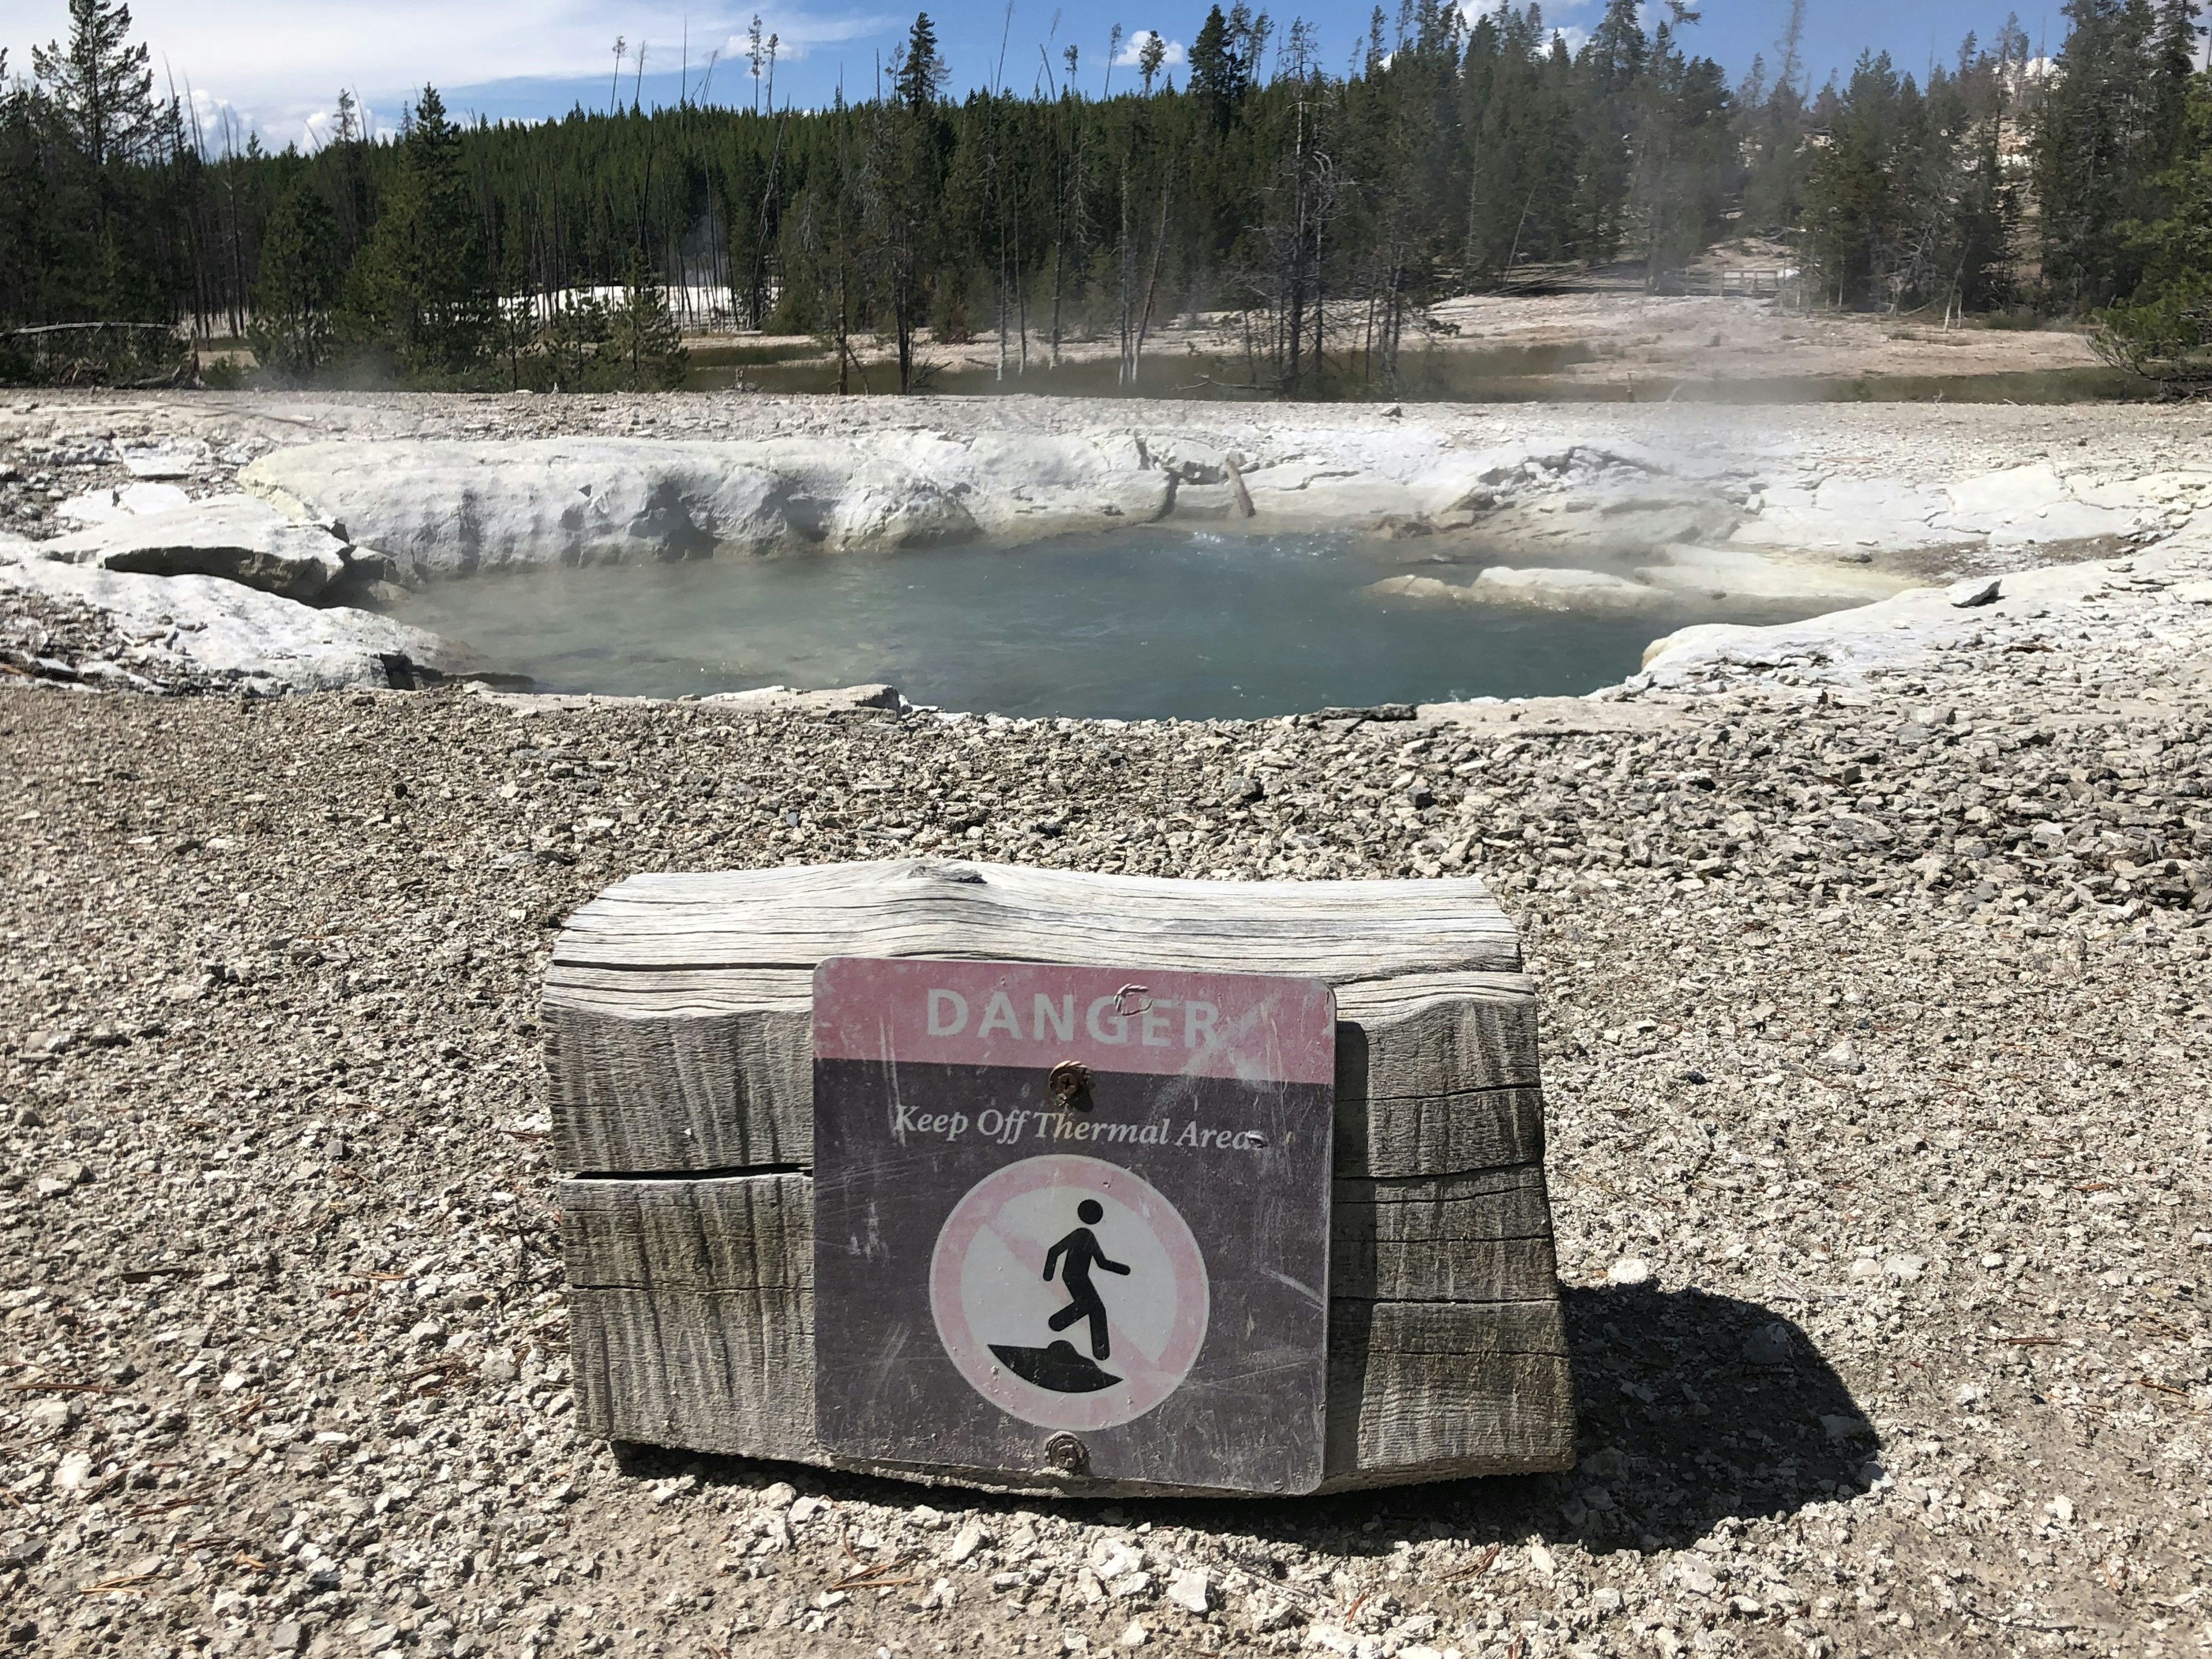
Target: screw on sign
(1070,1224)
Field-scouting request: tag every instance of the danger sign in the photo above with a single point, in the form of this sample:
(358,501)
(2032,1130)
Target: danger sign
(1072,1220)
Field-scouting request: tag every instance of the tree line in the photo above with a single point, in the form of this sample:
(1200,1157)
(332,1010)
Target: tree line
(1324,212)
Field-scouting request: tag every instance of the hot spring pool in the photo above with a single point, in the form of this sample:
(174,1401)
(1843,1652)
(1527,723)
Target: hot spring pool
(1152,623)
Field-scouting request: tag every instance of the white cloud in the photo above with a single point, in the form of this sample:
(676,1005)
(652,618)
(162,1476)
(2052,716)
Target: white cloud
(1133,47)
(284,61)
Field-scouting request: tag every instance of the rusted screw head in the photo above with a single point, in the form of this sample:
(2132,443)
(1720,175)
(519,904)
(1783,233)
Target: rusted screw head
(1071,1085)
(1065,1453)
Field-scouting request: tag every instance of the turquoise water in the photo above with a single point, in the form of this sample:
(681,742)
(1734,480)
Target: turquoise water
(1191,624)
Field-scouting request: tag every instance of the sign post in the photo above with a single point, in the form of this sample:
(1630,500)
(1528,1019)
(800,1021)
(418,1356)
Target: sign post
(1072,1220)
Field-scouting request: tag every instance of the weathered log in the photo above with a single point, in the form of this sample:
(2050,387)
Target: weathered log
(711,1067)
(692,1303)
(678,1017)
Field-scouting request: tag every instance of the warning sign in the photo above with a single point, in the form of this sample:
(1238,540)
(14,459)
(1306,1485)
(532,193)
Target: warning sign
(1072,1219)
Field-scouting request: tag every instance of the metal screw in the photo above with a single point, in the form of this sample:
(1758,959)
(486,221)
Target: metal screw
(1065,1453)
(1071,1086)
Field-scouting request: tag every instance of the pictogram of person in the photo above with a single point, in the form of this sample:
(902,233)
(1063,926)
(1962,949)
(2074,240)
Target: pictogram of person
(1075,1255)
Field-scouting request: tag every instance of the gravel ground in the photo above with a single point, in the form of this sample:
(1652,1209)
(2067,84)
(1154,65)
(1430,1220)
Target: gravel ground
(1875,1023)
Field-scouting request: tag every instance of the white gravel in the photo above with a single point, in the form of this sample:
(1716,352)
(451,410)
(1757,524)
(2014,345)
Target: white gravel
(1876,1013)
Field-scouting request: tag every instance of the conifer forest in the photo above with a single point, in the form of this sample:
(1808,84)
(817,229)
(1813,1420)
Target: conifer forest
(1321,208)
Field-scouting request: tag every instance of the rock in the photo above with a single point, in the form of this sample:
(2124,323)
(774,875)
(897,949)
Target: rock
(287,1636)
(130,501)
(168,458)
(1135,1635)
(1547,589)
(217,630)
(73,1472)
(2060,1509)
(450,508)
(239,538)
(875,694)
(1558,589)
(1190,1589)
(965,1542)
(1114,1557)
(49,1418)
(1844,1057)
(1736,573)
(1770,1345)
(1629,1271)
(2029,505)
(1975,590)
(1846,515)
(1905,1267)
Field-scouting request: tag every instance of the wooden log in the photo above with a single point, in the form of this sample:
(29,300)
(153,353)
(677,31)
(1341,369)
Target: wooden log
(653,1070)
(1435,1390)
(679,1052)
(1335,930)
(1485,1237)
(692,1309)
(677,1007)
(713,1371)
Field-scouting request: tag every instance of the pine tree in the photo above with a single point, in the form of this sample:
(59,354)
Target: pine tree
(516,335)
(919,73)
(1330,210)
(2110,120)
(298,286)
(579,330)
(1851,213)
(1221,63)
(2164,329)
(99,91)
(102,83)
(1150,57)
(418,295)
(644,351)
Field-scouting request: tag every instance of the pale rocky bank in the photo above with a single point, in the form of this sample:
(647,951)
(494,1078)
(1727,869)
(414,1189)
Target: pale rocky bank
(329,503)
(1875,1015)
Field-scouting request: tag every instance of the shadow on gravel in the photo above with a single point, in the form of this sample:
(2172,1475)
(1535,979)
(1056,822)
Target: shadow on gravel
(1691,1407)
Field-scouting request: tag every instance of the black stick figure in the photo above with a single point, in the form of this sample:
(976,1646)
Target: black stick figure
(1081,1250)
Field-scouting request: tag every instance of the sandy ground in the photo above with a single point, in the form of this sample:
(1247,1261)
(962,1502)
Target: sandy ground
(1876,1020)
(1566,345)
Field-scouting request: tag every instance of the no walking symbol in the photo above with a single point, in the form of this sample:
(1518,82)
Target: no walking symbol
(1072,1220)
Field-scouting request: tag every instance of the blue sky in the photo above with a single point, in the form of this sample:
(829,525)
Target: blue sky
(277,65)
